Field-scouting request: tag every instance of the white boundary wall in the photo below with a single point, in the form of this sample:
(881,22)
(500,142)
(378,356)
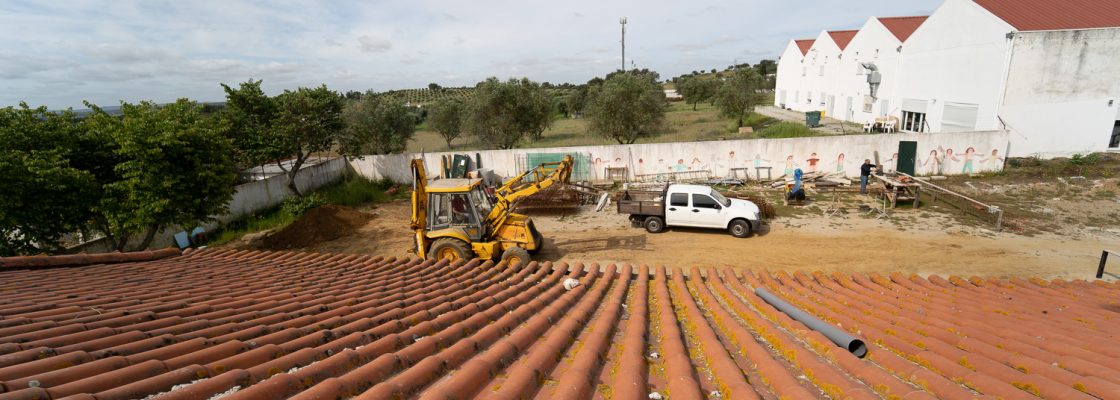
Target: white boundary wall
(938,153)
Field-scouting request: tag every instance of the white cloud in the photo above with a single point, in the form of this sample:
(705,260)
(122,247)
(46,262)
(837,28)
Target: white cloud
(374,44)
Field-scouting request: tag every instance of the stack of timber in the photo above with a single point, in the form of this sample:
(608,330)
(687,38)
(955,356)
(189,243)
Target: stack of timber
(815,179)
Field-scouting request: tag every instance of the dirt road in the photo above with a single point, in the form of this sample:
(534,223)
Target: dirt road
(933,245)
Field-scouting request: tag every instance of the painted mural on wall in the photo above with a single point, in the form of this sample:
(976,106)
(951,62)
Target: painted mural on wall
(830,155)
(937,154)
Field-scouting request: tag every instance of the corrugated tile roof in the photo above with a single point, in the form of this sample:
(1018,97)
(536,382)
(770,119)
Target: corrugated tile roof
(903,27)
(271,325)
(805,45)
(1042,15)
(842,38)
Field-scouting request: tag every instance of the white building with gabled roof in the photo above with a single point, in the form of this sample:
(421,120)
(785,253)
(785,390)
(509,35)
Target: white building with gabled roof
(1046,71)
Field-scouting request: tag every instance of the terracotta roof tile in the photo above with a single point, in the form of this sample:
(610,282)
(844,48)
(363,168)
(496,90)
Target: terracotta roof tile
(1042,15)
(903,27)
(254,325)
(842,38)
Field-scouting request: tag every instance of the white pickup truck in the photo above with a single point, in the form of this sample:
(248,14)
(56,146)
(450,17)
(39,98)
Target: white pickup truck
(694,206)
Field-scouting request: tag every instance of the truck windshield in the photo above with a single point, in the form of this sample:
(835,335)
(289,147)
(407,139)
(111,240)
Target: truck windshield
(722,200)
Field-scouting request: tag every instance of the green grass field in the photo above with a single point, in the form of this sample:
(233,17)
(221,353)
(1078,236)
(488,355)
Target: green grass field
(682,125)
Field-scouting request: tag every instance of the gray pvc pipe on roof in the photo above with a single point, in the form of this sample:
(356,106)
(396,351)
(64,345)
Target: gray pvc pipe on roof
(841,338)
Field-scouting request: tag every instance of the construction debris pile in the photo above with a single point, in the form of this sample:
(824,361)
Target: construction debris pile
(816,179)
(559,198)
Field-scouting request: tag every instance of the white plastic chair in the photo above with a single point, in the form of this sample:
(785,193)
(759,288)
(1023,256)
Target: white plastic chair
(867,126)
(889,126)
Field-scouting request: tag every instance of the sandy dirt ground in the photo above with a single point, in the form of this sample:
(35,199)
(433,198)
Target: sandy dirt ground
(911,242)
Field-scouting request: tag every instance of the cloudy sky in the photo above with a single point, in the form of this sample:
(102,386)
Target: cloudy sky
(61,53)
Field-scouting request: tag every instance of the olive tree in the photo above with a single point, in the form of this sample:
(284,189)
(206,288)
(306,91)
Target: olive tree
(376,125)
(307,121)
(501,114)
(740,93)
(627,107)
(446,117)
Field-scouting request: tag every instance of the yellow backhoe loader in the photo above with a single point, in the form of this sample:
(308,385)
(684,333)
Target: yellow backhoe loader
(456,218)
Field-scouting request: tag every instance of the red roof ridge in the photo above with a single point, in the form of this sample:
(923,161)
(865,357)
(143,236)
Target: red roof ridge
(842,38)
(804,45)
(1047,15)
(80,259)
(903,27)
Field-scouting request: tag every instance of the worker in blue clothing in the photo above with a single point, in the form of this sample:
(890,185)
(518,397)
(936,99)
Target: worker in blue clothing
(864,175)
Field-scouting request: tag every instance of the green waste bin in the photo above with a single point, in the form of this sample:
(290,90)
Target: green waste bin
(813,119)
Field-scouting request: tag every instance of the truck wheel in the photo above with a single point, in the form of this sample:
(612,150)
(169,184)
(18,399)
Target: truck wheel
(739,228)
(450,248)
(516,255)
(654,224)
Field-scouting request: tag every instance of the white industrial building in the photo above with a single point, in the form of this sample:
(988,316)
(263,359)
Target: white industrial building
(1047,71)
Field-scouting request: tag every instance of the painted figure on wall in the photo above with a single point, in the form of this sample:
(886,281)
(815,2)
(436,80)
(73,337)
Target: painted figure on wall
(598,167)
(758,161)
(890,164)
(840,164)
(640,167)
(679,166)
(696,165)
(932,164)
(947,161)
(993,158)
(812,160)
(969,153)
(790,165)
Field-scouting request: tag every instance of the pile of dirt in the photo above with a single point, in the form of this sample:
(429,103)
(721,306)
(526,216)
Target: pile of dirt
(317,225)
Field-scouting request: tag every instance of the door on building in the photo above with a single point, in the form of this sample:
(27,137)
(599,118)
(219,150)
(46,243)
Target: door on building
(782,99)
(848,113)
(831,105)
(1115,142)
(907,157)
(884,108)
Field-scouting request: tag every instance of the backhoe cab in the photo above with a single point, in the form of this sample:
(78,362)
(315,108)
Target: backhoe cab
(456,219)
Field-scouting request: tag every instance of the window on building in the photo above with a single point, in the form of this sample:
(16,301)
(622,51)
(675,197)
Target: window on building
(822,71)
(809,97)
(804,70)
(913,121)
(959,117)
(876,54)
(868,102)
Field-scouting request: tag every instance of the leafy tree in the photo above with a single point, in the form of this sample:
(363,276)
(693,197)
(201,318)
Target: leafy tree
(627,107)
(446,117)
(307,121)
(435,87)
(175,169)
(503,113)
(577,100)
(247,121)
(739,94)
(47,193)
(376,125)
(644,72)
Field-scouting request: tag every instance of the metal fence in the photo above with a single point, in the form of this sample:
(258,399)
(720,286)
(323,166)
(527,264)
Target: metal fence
(580,164)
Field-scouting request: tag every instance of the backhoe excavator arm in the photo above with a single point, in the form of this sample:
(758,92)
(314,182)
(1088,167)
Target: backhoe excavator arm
(419,219)
(517,188)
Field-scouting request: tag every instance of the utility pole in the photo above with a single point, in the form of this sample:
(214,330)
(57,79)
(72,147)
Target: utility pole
(622,21)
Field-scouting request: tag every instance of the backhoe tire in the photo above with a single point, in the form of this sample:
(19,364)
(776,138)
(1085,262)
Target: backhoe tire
(654,224)
(451,249)
(516,255)
(739,228)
